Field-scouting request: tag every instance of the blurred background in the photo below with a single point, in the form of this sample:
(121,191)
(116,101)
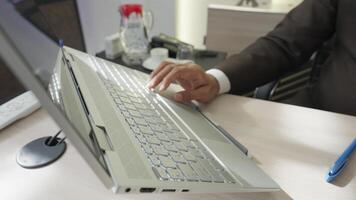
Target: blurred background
(84,24)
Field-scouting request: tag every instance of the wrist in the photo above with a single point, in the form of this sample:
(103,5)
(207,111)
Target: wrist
(214,85)
(223,80)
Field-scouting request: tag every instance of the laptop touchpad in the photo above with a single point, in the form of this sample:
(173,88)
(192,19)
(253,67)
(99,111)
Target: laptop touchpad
(197,122)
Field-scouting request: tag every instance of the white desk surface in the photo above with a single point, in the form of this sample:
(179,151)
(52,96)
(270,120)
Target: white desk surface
(294,145)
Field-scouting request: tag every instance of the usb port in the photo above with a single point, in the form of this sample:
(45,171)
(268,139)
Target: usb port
(147,190)
(168,190)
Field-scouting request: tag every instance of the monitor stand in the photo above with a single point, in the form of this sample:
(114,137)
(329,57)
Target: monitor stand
(39,153)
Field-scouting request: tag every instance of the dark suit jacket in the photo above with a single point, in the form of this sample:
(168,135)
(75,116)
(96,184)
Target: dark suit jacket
(291,44)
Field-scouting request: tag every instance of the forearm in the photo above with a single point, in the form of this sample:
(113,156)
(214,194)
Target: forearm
(284,49)
(260,63)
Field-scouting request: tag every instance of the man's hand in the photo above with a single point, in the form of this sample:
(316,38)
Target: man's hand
(197,84)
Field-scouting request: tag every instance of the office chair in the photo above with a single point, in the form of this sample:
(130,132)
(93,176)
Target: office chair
(291,83)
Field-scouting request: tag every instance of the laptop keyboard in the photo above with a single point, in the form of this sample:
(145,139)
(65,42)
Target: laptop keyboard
(172,154)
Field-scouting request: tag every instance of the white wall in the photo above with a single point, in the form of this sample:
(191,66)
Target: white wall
(185,19)
(191,21)
(101,18)
(164,16)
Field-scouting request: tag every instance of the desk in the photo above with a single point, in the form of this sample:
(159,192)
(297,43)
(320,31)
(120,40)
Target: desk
(294,145)
(205,62)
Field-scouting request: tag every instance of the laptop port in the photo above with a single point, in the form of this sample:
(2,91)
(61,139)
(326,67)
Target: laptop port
(128,190)
(185,190)
(147,190)
(168,190)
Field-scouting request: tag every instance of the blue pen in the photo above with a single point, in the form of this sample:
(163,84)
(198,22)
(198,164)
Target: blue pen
(340,163)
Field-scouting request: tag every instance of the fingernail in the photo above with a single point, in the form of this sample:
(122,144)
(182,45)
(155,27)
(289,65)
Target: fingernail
(149,84)
(161,87)
(178,97)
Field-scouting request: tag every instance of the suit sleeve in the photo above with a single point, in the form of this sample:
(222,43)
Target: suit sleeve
(285,48)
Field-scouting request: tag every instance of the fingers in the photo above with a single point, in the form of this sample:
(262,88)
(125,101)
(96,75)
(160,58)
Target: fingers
(172,76)
(159,68)
(201,94)
(187,85)
(189,76)
(204,94)
(158,77)
(175,74)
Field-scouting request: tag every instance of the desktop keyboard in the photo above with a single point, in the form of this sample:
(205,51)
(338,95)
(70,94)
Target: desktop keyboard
(172,154)
(18,108)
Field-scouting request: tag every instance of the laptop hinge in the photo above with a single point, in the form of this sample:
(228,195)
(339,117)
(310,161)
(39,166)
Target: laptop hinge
(95,140)
(103,138)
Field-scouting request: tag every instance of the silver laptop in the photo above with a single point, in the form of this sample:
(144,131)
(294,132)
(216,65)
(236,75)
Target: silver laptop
(135,140)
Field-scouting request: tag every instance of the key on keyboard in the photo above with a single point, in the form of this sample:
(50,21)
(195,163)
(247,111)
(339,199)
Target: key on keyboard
(172,154)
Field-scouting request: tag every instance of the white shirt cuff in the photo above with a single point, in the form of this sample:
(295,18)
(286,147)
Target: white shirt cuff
(223,80)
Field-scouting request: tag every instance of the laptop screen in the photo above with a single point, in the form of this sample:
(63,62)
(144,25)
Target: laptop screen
(42,54)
